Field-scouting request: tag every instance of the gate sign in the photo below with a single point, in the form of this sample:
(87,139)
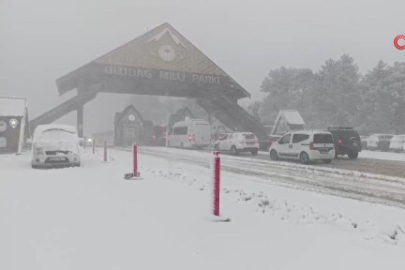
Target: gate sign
(13,123)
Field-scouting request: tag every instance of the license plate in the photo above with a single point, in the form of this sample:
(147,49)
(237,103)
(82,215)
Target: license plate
(323,152)
(57,158)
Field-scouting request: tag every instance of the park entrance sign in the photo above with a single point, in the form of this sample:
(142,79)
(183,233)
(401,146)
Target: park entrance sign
(161,62)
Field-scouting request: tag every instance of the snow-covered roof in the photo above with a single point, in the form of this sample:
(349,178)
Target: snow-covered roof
(10,106)
(293,118)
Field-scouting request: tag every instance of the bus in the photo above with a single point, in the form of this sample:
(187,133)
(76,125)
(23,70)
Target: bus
(192,133)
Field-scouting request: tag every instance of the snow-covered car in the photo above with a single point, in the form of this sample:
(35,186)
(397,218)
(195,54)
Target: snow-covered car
(54,146)
(379,142)
(304,145)
(237,142)
(363,140)
(397,143)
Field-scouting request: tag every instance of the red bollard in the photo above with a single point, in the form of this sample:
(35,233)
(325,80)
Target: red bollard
(135,155)
(105,151)
(94,145)
(135,175)
(216,182)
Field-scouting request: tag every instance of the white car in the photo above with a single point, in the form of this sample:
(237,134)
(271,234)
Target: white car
(55,146)
(397,143)
(379,142)
(237,142)
(304,145)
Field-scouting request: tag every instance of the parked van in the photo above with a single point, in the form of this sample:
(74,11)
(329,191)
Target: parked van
(193,133)
(304,145)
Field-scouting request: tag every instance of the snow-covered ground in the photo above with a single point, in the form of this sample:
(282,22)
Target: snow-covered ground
(382,155)
(91,218)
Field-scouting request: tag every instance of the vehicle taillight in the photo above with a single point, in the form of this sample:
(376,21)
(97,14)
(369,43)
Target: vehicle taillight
(340,142)
(311,146)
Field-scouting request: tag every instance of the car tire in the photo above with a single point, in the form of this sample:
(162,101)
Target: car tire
(34,166)
(353,155)
(254,152)
(304,158)
(327,161)
(273,155)
(234,151)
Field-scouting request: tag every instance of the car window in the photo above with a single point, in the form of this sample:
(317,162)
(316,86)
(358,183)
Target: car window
(285,139)
(300,137)
(249,136)
(223,138)
(323,138)
(180,131)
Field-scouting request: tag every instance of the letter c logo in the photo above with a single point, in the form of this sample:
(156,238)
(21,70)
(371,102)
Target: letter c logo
(396,42)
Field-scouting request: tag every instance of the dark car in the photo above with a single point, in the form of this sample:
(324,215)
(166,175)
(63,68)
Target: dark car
(347,141)
(158,136)
(265,145)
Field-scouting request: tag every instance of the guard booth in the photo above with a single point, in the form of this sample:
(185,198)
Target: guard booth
(287,120)
(129,127)
(13,124)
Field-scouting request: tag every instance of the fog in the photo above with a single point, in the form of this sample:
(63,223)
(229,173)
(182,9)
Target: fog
(45,39)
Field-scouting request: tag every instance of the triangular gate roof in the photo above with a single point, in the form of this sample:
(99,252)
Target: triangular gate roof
(160,54)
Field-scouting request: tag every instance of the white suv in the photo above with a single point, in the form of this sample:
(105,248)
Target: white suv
(305,146)
(238,142)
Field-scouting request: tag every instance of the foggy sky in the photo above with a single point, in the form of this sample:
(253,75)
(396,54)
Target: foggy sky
(43,40)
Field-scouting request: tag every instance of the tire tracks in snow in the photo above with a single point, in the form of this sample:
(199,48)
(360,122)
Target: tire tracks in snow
(343,183)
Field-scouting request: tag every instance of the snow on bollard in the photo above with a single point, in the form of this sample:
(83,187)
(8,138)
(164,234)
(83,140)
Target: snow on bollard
(135,175)
(216,186)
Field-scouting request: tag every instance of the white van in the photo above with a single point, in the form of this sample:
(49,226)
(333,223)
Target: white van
(193,133)
(304,145)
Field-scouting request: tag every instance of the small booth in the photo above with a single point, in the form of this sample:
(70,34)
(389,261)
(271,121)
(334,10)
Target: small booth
(13,124)
(287,120)
(129,127)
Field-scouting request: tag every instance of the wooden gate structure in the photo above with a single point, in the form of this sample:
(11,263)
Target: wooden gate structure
(160,62)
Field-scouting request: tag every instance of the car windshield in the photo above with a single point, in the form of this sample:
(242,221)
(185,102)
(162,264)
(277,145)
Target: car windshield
(323,138)
(249,136)
(55,135)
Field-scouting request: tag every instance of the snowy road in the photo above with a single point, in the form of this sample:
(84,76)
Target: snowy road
(322,179)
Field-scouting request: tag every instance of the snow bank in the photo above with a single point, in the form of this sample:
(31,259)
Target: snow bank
(90,218)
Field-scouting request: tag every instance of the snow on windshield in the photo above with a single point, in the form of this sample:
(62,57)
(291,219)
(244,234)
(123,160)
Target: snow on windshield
(58,139)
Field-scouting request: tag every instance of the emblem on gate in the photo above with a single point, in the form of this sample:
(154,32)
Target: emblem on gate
(167,53)
(13,123)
